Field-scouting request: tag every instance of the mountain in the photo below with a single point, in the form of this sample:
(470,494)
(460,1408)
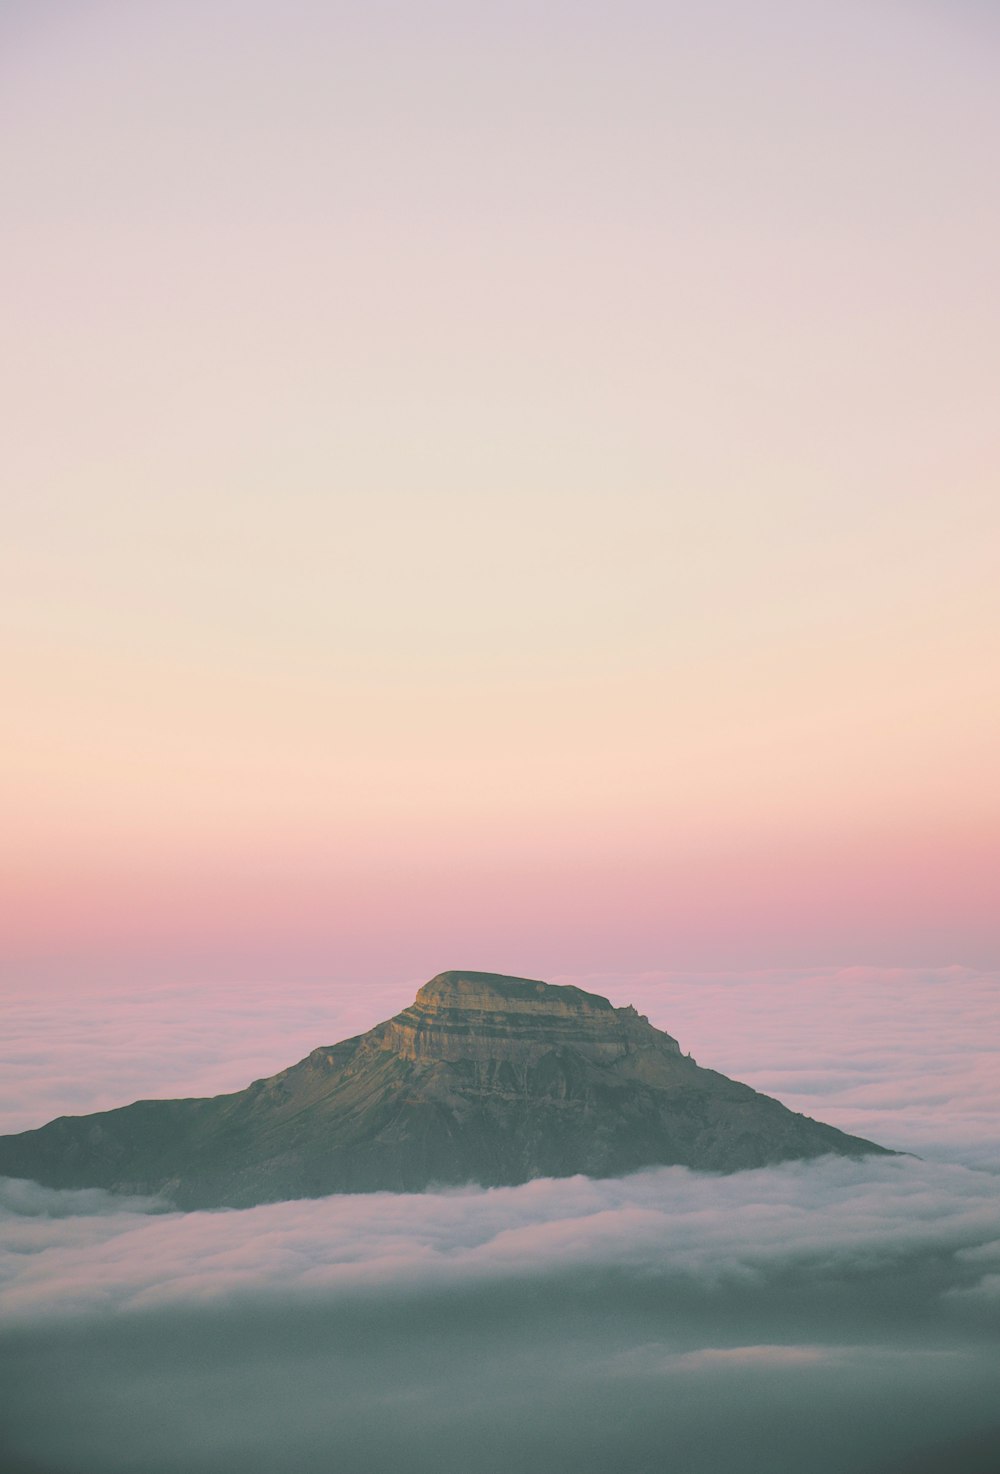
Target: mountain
(483,1079)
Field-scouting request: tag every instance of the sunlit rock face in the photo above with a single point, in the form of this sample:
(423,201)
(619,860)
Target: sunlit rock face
(483,1079)
(485,1016)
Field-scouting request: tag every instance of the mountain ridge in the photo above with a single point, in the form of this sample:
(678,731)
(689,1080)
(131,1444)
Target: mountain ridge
(485,1078)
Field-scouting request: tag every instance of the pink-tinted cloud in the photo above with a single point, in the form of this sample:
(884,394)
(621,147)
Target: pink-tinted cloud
(88,1253)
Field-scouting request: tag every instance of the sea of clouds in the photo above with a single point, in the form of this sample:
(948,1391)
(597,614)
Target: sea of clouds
(831,1316)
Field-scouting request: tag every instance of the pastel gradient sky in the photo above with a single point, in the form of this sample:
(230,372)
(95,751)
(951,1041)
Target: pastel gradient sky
(500,485)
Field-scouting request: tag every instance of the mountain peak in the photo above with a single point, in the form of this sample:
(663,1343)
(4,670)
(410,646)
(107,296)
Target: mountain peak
(495,992)
(490,1016)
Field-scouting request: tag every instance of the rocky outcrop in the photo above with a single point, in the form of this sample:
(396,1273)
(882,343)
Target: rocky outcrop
(482,1015)
(483,1079)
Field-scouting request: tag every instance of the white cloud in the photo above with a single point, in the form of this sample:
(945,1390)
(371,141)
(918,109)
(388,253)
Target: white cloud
(835,1215)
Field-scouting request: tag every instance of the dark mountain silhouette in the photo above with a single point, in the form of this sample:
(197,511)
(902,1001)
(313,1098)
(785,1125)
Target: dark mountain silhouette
(483,1079)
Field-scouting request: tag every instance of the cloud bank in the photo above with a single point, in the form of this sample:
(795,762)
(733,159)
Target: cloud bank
(66,1254)
(661,1321)
(560,1325)
(834,1316)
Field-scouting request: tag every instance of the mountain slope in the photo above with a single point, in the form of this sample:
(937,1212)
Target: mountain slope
(484,1079)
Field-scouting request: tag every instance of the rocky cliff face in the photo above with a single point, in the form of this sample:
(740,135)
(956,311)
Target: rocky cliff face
(482,1016)
(483,1079)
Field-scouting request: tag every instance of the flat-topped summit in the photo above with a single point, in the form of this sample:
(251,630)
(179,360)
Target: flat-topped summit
(485,1015)
(496,992)
(482,1079)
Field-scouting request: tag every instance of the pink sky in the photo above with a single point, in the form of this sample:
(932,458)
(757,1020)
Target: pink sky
(497,487)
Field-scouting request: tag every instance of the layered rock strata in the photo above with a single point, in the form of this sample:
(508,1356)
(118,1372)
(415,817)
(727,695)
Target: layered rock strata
(480,1015)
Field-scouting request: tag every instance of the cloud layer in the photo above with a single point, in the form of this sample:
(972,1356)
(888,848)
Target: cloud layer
(835,1316)
(73,1253)
(562,1325)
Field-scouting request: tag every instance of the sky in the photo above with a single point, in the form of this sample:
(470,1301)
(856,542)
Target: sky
(835,1315)
(507,486)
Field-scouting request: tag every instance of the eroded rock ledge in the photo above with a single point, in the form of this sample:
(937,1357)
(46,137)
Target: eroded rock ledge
(486,1016)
